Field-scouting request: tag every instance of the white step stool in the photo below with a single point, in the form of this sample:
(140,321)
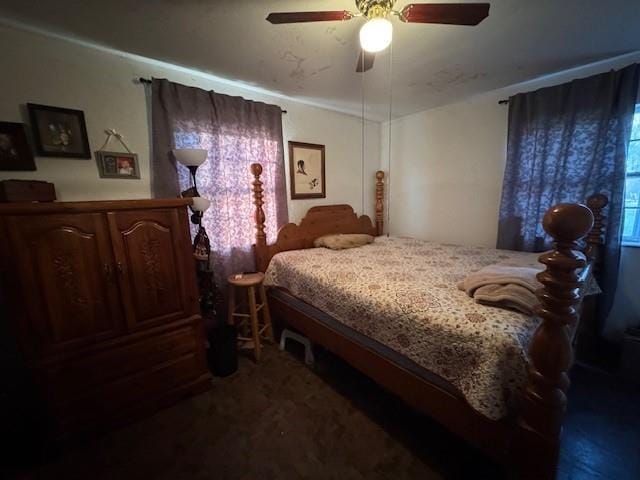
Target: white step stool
(308,352)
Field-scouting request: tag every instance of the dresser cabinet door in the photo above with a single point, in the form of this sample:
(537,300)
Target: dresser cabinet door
(151,252)
(65,270)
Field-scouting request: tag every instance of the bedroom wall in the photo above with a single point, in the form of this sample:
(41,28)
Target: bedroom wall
(447,169)
(50,70)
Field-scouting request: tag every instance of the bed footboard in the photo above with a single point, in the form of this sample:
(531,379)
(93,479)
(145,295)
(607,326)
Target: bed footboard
(536,441)
(595,241)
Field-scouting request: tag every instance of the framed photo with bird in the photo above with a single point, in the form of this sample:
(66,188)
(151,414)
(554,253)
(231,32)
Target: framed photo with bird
(306,170)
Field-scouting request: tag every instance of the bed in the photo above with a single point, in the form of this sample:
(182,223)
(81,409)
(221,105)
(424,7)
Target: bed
(392,309)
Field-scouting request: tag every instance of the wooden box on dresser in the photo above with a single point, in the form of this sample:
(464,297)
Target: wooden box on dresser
(101,299)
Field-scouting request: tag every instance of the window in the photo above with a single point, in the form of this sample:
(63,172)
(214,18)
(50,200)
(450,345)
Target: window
(631,231)
(225,180)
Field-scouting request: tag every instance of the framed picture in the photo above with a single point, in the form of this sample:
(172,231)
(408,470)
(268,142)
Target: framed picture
(59,132)
(306,170)
(15,153)
(117,165)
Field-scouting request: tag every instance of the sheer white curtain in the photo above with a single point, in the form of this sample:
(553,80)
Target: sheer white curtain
(236,133)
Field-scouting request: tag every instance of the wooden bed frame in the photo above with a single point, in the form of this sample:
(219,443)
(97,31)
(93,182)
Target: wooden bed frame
(526,443)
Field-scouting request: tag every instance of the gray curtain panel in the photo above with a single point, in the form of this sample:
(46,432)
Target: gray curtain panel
(236,133)
(565,143)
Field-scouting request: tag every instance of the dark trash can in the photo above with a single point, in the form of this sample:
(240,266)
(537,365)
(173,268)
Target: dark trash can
(223,351)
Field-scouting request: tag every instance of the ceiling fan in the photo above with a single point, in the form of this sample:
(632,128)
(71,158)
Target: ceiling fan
(377,32)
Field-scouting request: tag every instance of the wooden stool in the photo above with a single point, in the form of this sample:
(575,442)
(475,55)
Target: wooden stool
(250,282)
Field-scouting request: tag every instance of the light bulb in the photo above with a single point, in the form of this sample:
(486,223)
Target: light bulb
(376,34)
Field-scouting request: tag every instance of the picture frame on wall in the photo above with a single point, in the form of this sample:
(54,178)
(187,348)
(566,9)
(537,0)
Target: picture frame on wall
(307,170)
(118,165)
(15,153)
(59,132)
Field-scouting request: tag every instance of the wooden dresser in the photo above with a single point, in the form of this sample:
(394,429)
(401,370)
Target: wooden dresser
(102,302)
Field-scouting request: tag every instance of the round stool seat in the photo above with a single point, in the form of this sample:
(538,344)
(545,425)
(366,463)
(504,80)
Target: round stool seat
(246,279)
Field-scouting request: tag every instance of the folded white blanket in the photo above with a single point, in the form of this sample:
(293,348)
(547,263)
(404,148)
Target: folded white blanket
(504,286)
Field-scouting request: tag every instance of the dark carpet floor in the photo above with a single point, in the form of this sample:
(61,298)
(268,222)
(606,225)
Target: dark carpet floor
(280,419)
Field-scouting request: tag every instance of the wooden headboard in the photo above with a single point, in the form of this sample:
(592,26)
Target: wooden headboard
(328,219)
(318,221)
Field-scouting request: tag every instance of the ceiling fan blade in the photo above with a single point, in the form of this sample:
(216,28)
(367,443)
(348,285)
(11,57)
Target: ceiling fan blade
(299,17)
(365,61)
(447,13)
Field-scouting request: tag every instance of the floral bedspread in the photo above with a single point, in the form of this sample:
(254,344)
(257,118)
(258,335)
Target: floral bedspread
(402,293)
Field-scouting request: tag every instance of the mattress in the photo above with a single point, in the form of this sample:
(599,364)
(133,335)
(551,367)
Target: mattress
(401,294)
(361,339)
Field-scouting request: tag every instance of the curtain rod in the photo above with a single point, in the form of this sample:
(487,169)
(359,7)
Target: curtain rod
(147,81)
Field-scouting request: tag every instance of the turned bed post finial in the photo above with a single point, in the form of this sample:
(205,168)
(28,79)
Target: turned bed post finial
(550,352)
(379,202)
(595,240)
(261,237)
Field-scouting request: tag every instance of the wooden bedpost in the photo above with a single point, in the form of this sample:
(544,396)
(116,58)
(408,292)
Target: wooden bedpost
(261,237)
(595,240)
(537,441)
(379,202)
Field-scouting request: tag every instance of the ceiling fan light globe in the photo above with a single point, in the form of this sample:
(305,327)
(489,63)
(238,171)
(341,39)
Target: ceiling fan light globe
(376,35)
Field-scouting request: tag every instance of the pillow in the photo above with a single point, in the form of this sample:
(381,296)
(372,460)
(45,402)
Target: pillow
(341,241)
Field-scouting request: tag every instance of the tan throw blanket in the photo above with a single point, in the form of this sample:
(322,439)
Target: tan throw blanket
(509,296)
(504,286)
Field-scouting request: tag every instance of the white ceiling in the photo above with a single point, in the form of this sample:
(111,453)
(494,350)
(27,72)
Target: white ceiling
(432,64)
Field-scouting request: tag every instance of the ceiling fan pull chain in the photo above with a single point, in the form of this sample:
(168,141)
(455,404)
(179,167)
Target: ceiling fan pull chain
(389,177)
(363,132)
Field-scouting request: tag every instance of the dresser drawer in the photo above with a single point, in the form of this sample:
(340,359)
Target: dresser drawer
(74,377)
(117,399)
